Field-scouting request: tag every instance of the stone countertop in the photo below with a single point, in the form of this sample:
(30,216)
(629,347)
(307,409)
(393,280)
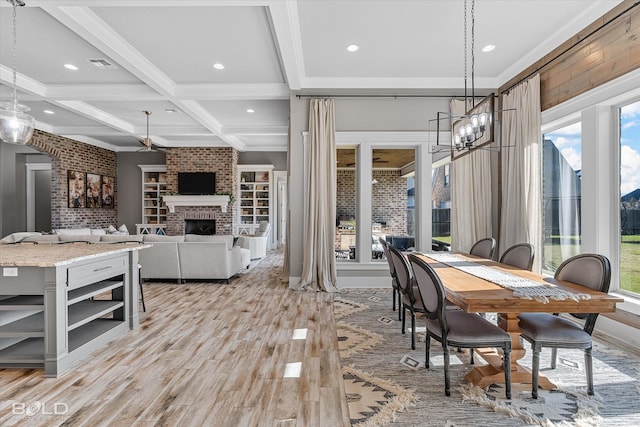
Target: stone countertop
(54,255)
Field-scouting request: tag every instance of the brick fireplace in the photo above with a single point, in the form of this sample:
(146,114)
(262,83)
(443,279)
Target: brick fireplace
(221,160)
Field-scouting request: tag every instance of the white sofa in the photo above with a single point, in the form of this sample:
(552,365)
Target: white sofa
(192,257)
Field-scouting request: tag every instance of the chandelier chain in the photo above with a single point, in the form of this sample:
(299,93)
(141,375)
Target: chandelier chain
(15,55)
(473,56)
(465,55)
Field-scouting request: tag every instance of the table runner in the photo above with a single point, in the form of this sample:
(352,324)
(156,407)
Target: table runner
(521,287)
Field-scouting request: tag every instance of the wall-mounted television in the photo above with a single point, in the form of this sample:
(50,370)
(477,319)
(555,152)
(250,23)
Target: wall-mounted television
(197,183)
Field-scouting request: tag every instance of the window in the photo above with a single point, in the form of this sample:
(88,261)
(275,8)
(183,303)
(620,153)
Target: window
(630,198)
(561,195)
(392,200)
(345,236)
(441,205)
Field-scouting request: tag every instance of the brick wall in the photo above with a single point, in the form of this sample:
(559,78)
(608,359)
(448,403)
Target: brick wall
(222,161)
(67,154)
(389,199)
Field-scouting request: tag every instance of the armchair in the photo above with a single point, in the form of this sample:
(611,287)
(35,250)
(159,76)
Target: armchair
(256,243)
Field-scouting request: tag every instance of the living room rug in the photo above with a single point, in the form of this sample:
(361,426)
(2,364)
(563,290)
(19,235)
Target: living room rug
(616,376)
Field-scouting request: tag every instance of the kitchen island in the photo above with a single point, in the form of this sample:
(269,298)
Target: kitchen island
(60,302)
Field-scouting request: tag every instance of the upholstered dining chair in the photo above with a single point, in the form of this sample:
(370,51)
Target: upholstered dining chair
(409,294)
(592,271)
(455,327)
(392,273)
(484,248)
(519,255)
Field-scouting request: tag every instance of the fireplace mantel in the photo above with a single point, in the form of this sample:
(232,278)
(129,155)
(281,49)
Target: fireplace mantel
(173,201)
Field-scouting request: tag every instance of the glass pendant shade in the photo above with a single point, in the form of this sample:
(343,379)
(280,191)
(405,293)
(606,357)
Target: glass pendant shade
(16,127)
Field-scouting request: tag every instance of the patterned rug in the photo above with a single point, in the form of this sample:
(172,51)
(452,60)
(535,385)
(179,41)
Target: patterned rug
(372,401)
(368,316)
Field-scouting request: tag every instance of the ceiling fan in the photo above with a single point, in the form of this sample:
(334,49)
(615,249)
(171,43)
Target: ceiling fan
(374,160)
(148,145)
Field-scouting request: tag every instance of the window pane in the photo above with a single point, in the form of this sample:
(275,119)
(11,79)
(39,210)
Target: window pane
(561,193)
(441,207)
(630,198)
(345,238)
(392,200)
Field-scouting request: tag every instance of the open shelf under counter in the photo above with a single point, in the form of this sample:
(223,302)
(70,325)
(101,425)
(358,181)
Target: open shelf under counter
(92,290)
(29,326)
(22,302)
(84,312)
(87,333)
(27,352)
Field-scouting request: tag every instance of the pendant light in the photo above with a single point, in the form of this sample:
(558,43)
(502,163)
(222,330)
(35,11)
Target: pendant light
(16,127)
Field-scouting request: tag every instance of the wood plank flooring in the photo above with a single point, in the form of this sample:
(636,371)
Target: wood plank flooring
(205,354)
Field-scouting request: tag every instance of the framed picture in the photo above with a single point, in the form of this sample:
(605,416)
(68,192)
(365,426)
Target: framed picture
(93,191)
(108,191)
(482,135)
(75,182)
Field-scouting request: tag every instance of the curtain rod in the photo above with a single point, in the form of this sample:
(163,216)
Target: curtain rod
(538,69)
(375,96)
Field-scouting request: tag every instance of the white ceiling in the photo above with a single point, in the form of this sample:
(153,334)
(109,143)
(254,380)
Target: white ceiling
(164,51)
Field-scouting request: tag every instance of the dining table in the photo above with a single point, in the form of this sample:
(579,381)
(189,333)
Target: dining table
(464,286)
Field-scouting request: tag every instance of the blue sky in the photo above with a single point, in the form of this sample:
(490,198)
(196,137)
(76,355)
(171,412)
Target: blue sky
(568,141)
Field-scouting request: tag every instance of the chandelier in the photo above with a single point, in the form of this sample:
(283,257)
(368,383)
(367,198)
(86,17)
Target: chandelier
(475,125)
(16,127)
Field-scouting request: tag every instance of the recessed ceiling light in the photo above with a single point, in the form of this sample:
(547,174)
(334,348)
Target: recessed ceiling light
(48,112)
(353,48)
(218,66)
(70,67)
(250,110)
(488,48)
(170,110)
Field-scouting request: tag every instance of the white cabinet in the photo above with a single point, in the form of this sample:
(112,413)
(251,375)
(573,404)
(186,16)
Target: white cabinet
(154,186)
(254,197)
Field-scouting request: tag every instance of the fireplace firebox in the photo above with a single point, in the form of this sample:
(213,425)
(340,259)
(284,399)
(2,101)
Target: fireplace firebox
(204,227)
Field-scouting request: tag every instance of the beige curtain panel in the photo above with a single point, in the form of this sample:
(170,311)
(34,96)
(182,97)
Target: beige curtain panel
(521,207)
(471,195)
(319,265)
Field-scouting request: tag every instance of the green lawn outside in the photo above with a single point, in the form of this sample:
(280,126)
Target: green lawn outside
(630,264)
(629,260)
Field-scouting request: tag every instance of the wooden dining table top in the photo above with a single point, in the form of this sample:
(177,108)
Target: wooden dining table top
(477,295)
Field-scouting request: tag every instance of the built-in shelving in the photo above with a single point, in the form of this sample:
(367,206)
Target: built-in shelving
(154,186)
(254,201)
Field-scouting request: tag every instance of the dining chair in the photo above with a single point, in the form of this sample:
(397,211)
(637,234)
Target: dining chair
(592,271)
(392,272)
(484,248)
(455,327)
(409,299)
(519,255)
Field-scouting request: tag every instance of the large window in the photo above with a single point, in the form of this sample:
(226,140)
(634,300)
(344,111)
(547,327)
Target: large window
(345,236)
(441,206)
(630,198)
(561,193)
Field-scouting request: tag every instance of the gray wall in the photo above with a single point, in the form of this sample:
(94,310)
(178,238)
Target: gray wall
(276,158)
(352,114)
(13,195)
(129,185)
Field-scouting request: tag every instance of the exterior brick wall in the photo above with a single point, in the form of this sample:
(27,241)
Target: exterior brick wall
(389,199)
(221,160)
(67,154)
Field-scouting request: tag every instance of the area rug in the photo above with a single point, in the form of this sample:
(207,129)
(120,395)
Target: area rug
(372,401)
(616,376)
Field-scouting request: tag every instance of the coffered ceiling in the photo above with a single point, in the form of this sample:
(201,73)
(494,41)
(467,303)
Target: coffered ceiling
(158,55)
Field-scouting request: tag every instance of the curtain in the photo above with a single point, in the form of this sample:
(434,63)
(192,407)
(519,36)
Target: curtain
(521,209)
(319,266)
(471,195)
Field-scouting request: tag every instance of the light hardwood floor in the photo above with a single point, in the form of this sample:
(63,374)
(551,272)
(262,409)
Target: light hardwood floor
(205,354)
